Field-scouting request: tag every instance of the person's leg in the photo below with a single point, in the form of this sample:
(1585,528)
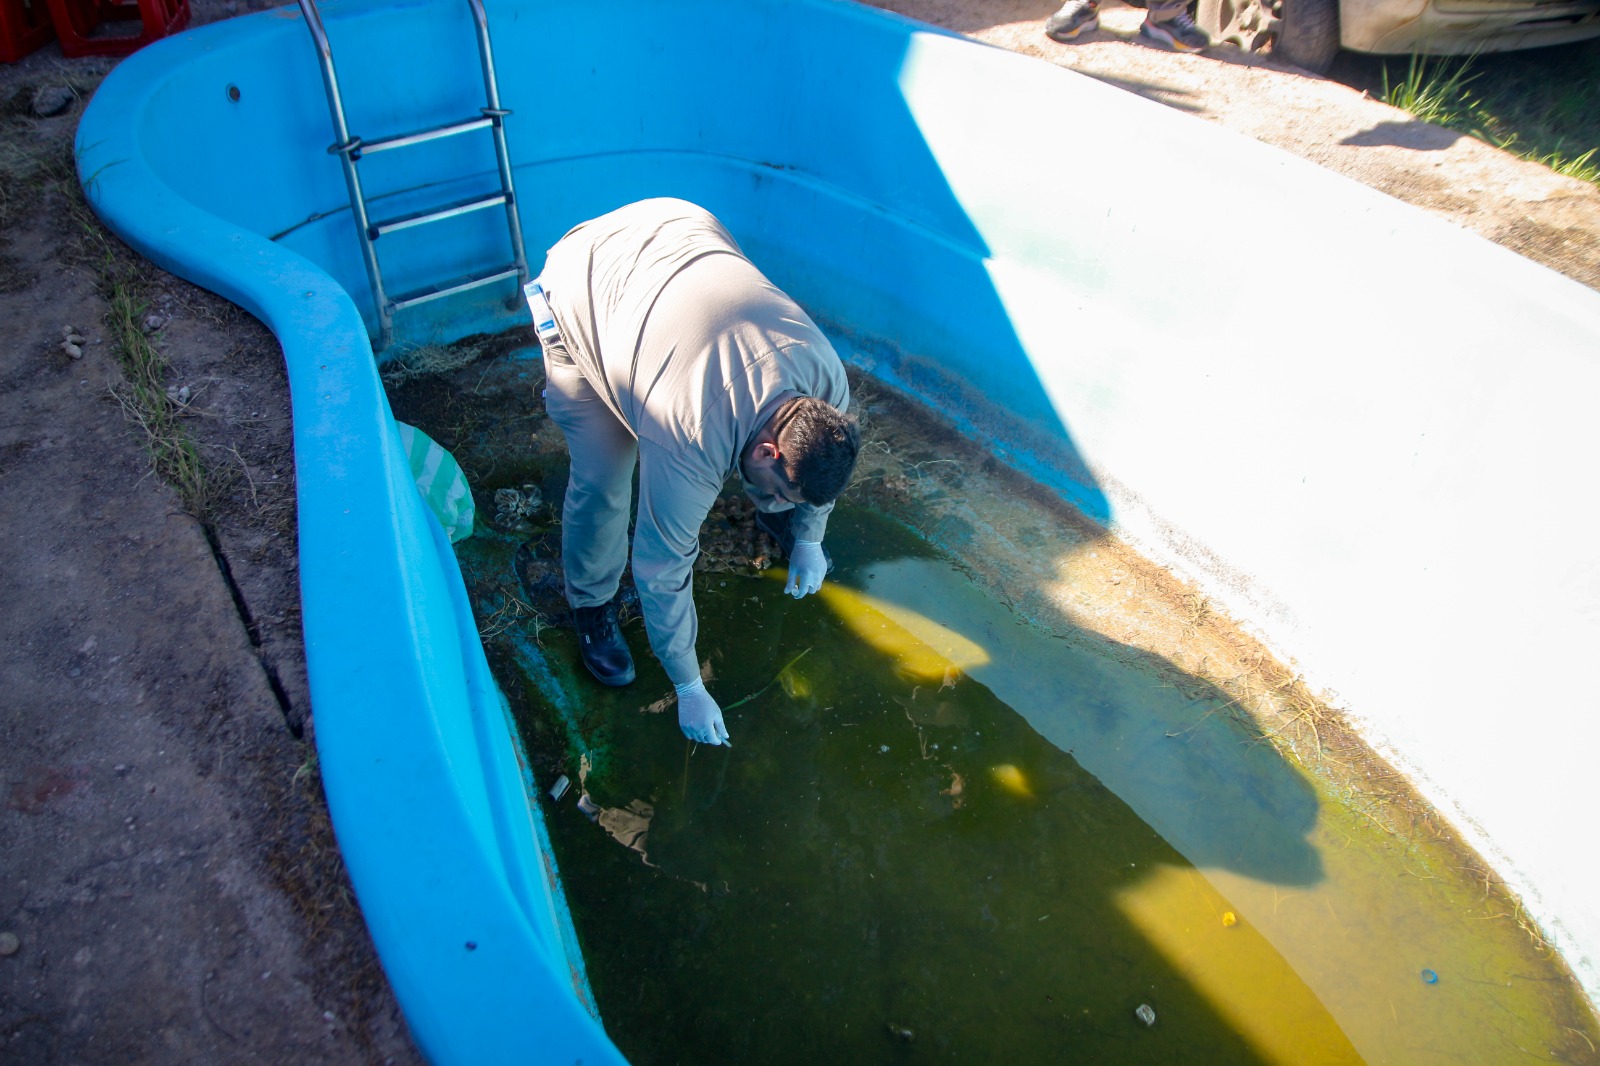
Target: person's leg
(594,518)
(1075,18)
(1167,23)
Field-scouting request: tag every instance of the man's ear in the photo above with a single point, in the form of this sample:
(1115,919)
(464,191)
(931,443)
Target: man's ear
(767,451)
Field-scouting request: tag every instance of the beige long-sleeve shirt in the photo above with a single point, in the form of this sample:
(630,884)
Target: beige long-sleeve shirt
(689,345)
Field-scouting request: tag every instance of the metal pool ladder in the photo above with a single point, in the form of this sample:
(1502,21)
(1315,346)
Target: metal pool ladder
(350,149)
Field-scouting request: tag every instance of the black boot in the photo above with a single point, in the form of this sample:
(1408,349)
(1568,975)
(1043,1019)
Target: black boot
(601,646)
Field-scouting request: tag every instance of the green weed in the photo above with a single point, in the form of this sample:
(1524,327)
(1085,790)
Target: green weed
(142,394)
(1531,105)
(1584,167)
(1434,90)
(145,402)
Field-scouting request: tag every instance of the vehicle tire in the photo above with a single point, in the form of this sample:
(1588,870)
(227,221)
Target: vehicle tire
(1308,34)
(1249,25)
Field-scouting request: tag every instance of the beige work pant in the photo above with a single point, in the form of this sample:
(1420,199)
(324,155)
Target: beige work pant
(594,518)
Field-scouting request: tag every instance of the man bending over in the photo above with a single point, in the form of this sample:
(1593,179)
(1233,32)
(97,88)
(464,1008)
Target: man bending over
(666,349)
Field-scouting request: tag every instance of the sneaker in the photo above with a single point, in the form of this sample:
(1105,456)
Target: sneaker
(1074,18)
(601,646)
(1178,33)
(777,525)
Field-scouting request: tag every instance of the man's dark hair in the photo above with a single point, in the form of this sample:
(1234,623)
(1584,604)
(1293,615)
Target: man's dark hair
(819,444)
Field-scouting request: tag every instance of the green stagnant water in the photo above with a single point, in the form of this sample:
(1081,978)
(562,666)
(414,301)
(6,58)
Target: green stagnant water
(943,835)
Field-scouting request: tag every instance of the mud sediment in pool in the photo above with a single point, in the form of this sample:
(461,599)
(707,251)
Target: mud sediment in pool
(1000,786)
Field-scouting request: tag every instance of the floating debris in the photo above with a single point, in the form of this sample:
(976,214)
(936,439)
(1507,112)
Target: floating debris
(730,541)
(629,826)
(589,807)
(559,789)
(665,703)
(901,1032)
(891,489)
(1229,919)
(1430,977)
(9,944)
(957,787)
(515,506)
(537,565)
(1145,1013)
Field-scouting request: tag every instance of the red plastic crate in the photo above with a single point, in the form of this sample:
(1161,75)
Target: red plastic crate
(24,26)
(75,20)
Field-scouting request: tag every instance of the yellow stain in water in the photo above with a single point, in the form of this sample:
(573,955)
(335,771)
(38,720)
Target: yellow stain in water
(1011,779)
(922,650)
(1235,968)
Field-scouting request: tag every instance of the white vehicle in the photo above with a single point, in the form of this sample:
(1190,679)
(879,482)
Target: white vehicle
(1309,33)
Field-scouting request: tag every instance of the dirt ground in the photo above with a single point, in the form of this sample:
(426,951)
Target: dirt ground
(170,890)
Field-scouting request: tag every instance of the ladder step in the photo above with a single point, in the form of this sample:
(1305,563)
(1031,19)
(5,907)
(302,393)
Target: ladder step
(420,136)
(460,207)
(472,282)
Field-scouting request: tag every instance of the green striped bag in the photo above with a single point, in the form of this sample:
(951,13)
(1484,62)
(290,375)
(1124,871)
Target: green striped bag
(440,480)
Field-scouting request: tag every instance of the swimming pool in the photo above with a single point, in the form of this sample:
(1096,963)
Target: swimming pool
(1356,466)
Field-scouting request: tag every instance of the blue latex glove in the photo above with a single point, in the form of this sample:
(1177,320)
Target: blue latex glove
(807,566)
(699,716)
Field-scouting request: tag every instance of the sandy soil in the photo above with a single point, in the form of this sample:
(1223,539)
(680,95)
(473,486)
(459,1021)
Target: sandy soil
(170,890)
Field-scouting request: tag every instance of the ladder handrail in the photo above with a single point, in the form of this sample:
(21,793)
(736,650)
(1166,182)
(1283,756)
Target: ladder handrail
(491,92)
(347,150)
(350,149)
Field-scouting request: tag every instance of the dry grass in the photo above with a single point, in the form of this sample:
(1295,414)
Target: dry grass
(427,360)
(513,613)
(143,396)
(22,167)
(124,281)
(35,170)
(303,859)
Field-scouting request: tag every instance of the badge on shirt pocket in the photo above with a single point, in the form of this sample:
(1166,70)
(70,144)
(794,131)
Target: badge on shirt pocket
(544,320)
